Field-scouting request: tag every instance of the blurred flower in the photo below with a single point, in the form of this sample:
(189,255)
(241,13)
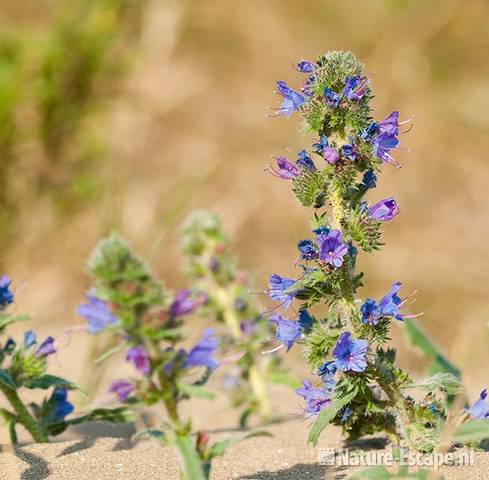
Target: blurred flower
(305,161)
(9,345)
(480,409)
(248,327)
(305,66)
(346,414)
(30,339)
(308,249)
(350,354)
(183,305)
(122,388)
(97,314)
(384,210)
(332,98)
(287,331)
(279,290)
(292,100)
(6,295)
(202,353)
(354,87)
(138,356)
(46,348)
(60,405)
(285,169)
(332,248)
(316,398)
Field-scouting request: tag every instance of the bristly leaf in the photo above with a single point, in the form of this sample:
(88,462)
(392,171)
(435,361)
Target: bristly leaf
(7,319)
(446,382)
(326,416)
(220,447)
(46,381)
(472,431)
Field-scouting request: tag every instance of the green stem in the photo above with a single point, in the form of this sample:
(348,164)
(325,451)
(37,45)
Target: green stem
(23,415)
(192,463)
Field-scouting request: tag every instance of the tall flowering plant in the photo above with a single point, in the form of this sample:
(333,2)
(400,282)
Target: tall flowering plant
(214,270)
(23,367)
(357,384)
(129,303)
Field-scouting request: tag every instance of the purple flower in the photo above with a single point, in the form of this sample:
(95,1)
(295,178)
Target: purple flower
(122,388)
(390,125)
(308,250)
(349,354)
(306,88)
(305,67)
(331,155)
(6,295)
(292,100)
(480,409)
(354,87)
(30,339)
(97,313)
(183,305)
(287,331)
(202,353)
(332,99)
(60,405)
(384,210)
(248,327)
(389,306)
(138,356)
(305,161)
(382,144)
(279,290)
(285,169)
(46,348)
(331,248)
(316,398)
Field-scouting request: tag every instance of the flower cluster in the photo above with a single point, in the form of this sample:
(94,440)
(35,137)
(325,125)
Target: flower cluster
(359,386)
(216,276)
(25,365)
(147,322)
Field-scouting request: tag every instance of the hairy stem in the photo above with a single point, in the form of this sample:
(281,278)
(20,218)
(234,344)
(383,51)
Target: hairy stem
(23,415)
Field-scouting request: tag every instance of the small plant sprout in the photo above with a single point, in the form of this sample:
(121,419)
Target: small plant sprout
(24,365)
(128,302)
(210,264)
(357,384)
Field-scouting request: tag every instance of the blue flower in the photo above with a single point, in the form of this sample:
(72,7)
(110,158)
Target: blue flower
(349,152)
(331,248)
(279,290)
(349,354)
(382,144)
(305,320)
(319,146)
(46,348)
(480,409)
(367,133)
(183,305)
(346,413)
(306,88)
(202,353)
(292,100)
(6,295)
(332,98)
(287,331)
(355,87)
(97,314)
(60,405)
(369,179)
(30,339)
(305,161)
(305,66)
(327,372)
(308,249)
(323,230)
(316,398)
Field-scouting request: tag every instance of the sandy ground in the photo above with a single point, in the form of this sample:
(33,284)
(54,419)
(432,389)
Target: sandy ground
(283,456)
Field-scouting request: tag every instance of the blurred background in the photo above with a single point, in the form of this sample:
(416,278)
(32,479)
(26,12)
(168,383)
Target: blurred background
(128,114)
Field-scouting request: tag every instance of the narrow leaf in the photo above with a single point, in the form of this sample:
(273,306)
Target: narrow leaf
(6,379)
(220,447)
(195,391)
(327,415)
(445,382)
(7,319)
(473,431)
(46,381)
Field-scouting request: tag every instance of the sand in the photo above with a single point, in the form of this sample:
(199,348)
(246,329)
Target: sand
(284,456)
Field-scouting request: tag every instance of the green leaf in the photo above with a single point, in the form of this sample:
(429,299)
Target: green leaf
(46,381)
(7,319)
(446,382)
(191,460)
(282,377)
(327,415)
(112,351)
(473,431)
(112,415)
(6,379)
(220,447)
(243,418)
(417,338)
(195,391)
(150,433)
(381,473)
